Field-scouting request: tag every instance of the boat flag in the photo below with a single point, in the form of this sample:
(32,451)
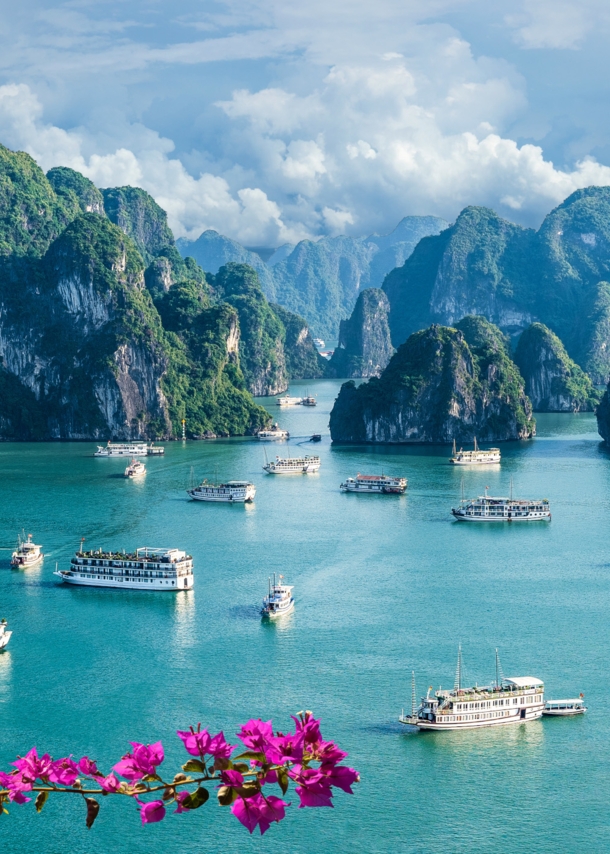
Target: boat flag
(581,696)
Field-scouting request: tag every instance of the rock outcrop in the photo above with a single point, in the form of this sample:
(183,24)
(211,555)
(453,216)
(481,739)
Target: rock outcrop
(365,347)
(603,416)
(553,381)
(442,384)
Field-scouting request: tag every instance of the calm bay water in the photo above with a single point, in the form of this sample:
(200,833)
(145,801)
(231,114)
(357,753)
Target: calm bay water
(383,585)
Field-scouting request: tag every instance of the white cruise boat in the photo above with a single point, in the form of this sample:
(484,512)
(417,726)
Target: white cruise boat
(309,401)
(153,450)
(279,600)
(289,401)
(273,433)
(475,457)
(509,701)
(122,449)
(234,491)
(487,508)
(135,469)
(144,569)
(319,343)
(564,708)
(370,484)
(5,635)
(27,554)
(290,465)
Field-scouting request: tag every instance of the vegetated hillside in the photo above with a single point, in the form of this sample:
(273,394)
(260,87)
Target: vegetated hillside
(320,280)
(553,381)
(365,346)
(515,276)
(442,384)
(105,331)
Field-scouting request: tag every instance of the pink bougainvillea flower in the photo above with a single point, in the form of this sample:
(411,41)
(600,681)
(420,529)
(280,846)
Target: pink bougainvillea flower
(32,766)
(259,811)
(309,727)
(111,783)
(340,776)
(256,734)
(142,762)
(16,786)
(328,753)
(271,809)
(220,747)
(151,812)
(180,798)
(88,768)
(285,748)
(64,771)
(314,790)
(196,743)
(232,778)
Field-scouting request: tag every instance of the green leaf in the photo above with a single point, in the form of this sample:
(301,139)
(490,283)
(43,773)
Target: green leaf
(196,799)
(194,765)
(226,796)
(242,767)
(249,790)
(92,810)
(252,754)
(41,799)
(282,778)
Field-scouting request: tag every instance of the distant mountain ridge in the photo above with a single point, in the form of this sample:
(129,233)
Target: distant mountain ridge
(319,280)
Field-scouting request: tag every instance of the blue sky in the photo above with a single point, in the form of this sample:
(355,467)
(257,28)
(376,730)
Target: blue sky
(272,121)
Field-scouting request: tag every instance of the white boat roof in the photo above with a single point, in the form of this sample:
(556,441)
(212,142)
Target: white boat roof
(564,702)
(525,682)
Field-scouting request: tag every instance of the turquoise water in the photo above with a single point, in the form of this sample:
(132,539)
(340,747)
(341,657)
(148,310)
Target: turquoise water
(383,584)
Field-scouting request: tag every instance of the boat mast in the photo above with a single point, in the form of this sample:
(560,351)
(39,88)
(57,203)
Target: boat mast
(475,444)
(511,489)
(413,703)
(499,674)
(457,685)
(454,448)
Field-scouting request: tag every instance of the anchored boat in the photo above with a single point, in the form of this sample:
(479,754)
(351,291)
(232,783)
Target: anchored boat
(487,508)
(475,457)
(290,465)
(144,569)
(234,491)
(273,433)
(375,483)
(289,401)
(509,701)
(309,401)
(5,635)
(565,708)
(122,449)
(27,554)
(279,599)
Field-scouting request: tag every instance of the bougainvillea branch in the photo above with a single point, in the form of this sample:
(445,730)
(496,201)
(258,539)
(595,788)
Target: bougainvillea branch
(303,757)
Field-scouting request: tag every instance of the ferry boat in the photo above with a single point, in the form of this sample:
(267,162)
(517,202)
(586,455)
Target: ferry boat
(122,449)
(486,508)
(233,491)
(289,465)
(375,483)
(155,450)
(476,457)
(5,635)
(273,433)
(27,554)
(309,401)
(135,469)
(519,699)
(564,708)
(279,600)
(144,569)
(289,401)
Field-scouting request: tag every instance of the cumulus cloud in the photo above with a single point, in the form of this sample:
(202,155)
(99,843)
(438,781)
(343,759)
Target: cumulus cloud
(557,24)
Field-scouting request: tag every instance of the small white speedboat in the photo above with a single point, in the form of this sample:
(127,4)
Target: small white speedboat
(5,635)
(564,708)
(135,469)
(27,554)
(279,600)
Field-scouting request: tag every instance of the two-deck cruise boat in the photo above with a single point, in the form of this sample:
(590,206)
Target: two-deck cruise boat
(564,708)
(508,701)
(122,449)
(5,635)
(144,569)
(290,465)
(153,450)
(289,401)
(309,401)
(370,484)
(273,433)
(135,469)
(475,457)
(279,600)
(486,508)
(27,554)
(234,491)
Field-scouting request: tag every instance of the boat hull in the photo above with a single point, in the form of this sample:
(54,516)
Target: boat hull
(541,517)
(4,639)
(563,713)
(145,584)
(15,564)
(272,615)
(285,470)
(223,499)
(531,714)
(475,462)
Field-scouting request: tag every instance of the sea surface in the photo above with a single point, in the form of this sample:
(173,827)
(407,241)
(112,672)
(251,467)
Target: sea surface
(384,585)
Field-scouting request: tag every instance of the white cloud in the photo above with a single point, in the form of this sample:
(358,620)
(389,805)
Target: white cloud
(557,24)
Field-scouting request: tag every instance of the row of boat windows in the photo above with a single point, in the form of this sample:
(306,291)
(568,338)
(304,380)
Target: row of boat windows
(136,573)
(125,563)
(490,703)
(484,716)
(139,580)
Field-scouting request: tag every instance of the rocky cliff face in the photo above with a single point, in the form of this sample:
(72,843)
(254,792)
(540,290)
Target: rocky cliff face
(365,347)
(553,381)
(436,388)
(603,416)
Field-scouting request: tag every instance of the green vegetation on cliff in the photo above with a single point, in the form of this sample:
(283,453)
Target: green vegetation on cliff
(365,347)
(140,217)
(77,192)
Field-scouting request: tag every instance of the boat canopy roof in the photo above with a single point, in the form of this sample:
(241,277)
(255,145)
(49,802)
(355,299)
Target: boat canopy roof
(578,700)
(524,682)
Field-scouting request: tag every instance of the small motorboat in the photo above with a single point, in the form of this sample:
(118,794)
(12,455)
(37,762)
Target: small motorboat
(5,635)
(27,554)
(279,599)
(316,437)
(135,469)
(564,708)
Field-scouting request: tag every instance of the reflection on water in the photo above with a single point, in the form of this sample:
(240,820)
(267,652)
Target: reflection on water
(5,675)
(184,626)
(492,742)
(283,623)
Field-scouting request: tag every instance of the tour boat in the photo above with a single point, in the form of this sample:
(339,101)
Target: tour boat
(288,465)
(519,699)
(476,457)
(5,635)
(564,708)
(155,450)
(144,569)
(486,508)
(289,401)
(135,469)
(273,433)
(319,343)
(27,554)
(279,599)
(233,491)
(309,401)
(375,483)
(122,449)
